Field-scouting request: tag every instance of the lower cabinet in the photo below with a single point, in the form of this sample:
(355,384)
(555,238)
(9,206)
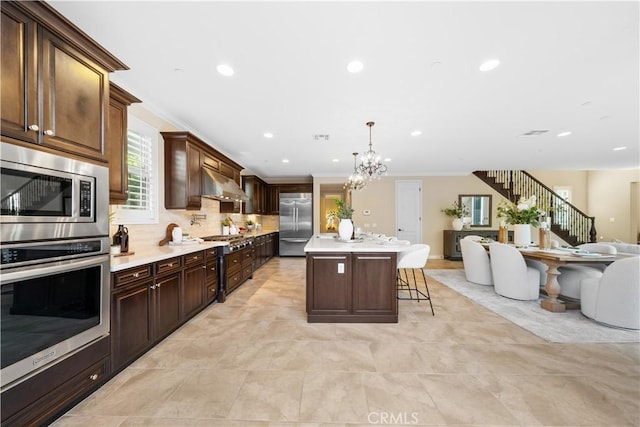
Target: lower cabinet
(351,287)
(165,295)
(131,331)
(193,292)
(38,400)
(451,241)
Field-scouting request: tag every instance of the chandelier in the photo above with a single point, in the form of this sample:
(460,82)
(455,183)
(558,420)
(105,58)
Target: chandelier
(355,180)
(370,166)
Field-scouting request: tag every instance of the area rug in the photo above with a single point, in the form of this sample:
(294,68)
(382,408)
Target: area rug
(568,327)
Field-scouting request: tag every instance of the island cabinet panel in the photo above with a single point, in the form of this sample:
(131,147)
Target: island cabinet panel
(330,293)
(351,287)
(371,274)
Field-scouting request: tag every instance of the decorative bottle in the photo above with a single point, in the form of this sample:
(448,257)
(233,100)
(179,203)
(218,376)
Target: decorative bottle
(122,237)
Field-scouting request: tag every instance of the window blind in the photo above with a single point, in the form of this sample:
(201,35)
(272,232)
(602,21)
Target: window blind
(140,163)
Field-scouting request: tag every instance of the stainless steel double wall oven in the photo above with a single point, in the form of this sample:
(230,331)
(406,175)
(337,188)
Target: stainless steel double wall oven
(54,252)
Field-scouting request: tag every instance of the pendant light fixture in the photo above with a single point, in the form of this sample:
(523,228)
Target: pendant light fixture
(355,180)
(370,166)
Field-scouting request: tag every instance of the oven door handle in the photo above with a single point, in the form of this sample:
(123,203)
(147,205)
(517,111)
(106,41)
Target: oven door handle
(57,267)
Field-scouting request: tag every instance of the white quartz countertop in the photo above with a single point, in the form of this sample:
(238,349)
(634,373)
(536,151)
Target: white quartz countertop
(328,243)
(148,254)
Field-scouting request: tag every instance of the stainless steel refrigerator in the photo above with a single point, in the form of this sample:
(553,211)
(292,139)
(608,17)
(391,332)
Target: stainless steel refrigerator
(296,228)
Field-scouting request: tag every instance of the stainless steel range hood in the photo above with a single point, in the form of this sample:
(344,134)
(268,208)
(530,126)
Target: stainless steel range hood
(219,187)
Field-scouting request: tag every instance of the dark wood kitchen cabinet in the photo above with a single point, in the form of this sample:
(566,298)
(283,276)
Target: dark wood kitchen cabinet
(184,157)
(211,275)
(40,399)
(193,288)
(351,287)
(256,190)
(117,143)
(55,82)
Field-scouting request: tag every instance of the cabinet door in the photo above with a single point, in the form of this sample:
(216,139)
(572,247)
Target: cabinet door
(374,284)
(194,183)
(74,100)
(130,323)
(193,290)
(117,149)
(249,187)
(19,106)
(166,298)
(329,284)
(211,280)
(273,200)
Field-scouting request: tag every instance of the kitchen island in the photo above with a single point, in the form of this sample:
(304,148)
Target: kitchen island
(351,282)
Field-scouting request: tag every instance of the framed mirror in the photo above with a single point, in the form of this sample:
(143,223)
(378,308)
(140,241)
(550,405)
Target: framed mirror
(477,208)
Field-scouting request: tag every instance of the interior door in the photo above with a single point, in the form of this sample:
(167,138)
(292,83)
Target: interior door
(409,211)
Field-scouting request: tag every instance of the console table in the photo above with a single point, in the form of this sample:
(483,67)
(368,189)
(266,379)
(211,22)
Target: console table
(451,241)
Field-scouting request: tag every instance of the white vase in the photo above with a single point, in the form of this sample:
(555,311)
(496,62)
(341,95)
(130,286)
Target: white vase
(345,229)
(521,235)
(225,230)
(457,224)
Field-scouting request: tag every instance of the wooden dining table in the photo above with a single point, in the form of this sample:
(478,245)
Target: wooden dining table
(556,258)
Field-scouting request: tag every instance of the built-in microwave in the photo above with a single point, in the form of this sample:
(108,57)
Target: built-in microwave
(44,196)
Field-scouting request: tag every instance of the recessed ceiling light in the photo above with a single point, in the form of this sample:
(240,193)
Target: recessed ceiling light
(355,66)
(619,148)
(335,160)
(225,70)
(268,135)
(285,160)
(387,159)
(489,64)
(566,133)
(416,133)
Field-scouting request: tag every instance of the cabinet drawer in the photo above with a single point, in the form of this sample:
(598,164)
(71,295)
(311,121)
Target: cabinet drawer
(168,265)
(211,274)
(211,254)
(233,261)
(247,256)
(247,271)
(194,258)
(212,291)
(132,274)
(233,281)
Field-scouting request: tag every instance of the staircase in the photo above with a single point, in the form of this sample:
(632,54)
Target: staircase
(567,222)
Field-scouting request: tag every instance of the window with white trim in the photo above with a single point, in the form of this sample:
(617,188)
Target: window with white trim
(142,162)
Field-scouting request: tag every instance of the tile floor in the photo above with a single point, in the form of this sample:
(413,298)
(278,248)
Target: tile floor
(255,361)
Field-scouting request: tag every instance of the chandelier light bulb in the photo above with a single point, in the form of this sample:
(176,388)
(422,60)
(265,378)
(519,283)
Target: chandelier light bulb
(370,166)
(355,180)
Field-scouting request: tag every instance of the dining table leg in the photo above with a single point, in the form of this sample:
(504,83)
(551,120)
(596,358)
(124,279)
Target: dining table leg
(552,287)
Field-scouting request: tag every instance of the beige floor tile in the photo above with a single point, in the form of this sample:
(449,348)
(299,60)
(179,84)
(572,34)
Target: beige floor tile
(255,361)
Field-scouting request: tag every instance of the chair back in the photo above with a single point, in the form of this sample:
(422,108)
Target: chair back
(415,256)
(475,260)
(618,299)
(602,248)
(511,277)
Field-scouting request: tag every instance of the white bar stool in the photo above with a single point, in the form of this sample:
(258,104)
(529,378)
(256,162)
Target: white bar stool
(414,258)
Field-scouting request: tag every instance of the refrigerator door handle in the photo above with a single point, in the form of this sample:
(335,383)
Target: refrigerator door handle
(294,240)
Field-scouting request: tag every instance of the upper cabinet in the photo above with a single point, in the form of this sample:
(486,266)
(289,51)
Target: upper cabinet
(55,82)
(185,155)
(117,142)
(256,190)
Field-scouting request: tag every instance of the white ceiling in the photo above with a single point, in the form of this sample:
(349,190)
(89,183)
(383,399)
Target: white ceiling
(565,66)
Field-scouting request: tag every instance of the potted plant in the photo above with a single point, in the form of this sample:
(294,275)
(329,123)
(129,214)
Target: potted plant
(344,214)
(522,216)
(456,211)
(250,224)
(226,224)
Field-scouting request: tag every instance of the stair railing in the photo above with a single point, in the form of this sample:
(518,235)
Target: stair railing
(566,219)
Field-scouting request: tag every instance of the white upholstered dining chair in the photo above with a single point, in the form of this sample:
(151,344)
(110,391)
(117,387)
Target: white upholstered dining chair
(475,260)
(572,274)
(614,299)
(512,277)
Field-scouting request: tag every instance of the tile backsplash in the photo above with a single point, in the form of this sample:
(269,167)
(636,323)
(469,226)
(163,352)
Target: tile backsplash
(151,234)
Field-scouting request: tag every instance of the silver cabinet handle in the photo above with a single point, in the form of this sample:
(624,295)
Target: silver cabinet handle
(49,132)
(93,377)
(170,264)
(204,267)
(153,286)
(136,274)
(34,128)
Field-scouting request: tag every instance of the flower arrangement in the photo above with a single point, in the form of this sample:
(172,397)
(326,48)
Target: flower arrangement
(342,210)
(523,212)
(227,222)
(456,211)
